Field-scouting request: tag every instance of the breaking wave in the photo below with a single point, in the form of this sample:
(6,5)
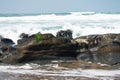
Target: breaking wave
(81,23)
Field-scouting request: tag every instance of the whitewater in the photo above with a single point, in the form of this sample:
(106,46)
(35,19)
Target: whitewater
(81,23)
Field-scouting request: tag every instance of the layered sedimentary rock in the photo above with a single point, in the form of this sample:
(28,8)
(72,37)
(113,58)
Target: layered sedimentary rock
(95,48)
(59,47)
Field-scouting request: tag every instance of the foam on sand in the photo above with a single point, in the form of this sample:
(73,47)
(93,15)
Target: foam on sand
(59,71)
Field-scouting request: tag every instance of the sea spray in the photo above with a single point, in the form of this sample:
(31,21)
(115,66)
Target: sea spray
(83,23)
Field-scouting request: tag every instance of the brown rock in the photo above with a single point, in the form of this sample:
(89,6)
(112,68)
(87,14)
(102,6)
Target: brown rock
(109,53)
(59,47)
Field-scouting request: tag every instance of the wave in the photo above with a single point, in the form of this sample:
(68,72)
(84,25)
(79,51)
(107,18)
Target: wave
(83,13)
(81,23)
(57,16)
(67,13)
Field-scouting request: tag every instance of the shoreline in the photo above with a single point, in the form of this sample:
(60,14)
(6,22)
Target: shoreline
(44,76)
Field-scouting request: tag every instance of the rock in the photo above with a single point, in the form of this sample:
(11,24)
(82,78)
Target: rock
(96,40)
(109,37)
(109,53)
(99,48)
(95,48)
(47,36)
(88,43)
(7,51)
(59,47)
(7,41)
(23,35)
(1,37)
(85,56)
(24,39)
(117,38)
(64,34)
(29,39)
(90,40)
(6,48)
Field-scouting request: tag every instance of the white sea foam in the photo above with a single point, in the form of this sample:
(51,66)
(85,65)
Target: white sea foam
(82,23)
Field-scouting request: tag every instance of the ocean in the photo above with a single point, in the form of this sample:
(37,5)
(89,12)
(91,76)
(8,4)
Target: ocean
(81,23)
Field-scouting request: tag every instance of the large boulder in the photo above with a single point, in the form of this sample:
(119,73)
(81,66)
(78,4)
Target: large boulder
(99,48)
(85,56)
(5,43)
(59,47)
(109,53)
(6,47)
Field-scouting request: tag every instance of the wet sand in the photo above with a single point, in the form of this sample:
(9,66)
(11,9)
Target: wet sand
(10,76)
(58,70)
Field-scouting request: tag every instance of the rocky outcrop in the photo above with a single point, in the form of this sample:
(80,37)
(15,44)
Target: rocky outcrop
(6,47)
(99,48)
(109,53)
(59,47)
(29,49)
(5,43)
(26,39)
(64,34)
(96,40)
(95,48)
(87,48)
(85,56)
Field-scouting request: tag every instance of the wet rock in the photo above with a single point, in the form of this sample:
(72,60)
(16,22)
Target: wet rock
(6,46)
(47,36)
(106,38)
(64,34)
(6,41)
(117,38)
(23,35)
(89,41)
(85,56)
(31,38)
(109,53)
(25,39)
(8,52)
(102,48)
(59,47)
(92,41)
(95,48)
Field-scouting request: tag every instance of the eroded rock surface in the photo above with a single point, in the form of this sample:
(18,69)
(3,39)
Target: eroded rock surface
(94,48)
